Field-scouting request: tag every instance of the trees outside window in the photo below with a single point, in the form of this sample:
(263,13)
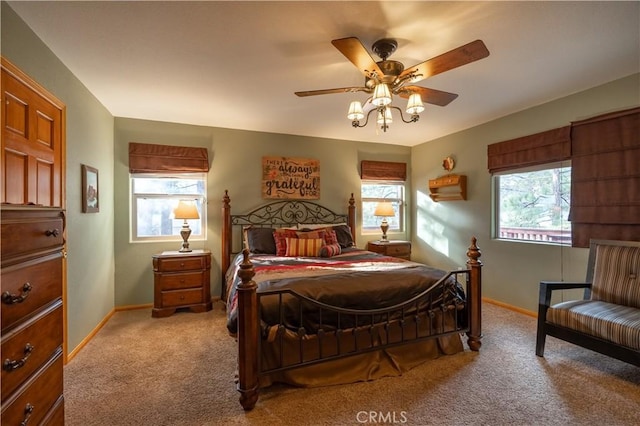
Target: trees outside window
(534,205)
(374,192)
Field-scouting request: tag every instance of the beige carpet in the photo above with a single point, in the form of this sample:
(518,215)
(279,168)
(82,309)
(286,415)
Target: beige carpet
(179,370)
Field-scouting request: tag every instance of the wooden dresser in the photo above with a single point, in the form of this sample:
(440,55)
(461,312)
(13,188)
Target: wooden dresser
(394,248)
(32,318)
(181,280)
(32,243)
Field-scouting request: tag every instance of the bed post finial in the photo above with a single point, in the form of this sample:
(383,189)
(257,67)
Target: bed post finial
(475,296)
(247,334)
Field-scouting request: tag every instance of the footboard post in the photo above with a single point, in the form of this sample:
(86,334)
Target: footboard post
(475,297)
(247,335)
(226,242)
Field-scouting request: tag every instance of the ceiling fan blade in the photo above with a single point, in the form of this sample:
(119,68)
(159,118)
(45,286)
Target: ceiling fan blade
(447,61)
(329,91)
(355,52)
(430,96)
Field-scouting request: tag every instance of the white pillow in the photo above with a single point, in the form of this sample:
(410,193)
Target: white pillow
(318,225)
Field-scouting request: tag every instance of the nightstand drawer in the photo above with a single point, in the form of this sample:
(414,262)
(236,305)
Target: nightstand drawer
(181,297)
(399,250)
(180,281)
(185,264)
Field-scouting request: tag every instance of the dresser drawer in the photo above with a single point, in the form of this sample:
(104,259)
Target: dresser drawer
(31,231)
(181,297)
(180,280)
(185,264)
(41,392)
(28,286)
(29,346)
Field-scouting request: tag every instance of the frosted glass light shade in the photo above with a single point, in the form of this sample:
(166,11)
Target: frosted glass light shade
(387,118)
(381,95)
(415,106)
(355,111)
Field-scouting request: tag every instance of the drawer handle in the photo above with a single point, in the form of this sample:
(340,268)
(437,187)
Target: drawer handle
(11,299)
(52,232)
(10,365)
(28,410)
(182,264)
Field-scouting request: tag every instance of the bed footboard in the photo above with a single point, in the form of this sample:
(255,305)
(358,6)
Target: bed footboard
(417,318)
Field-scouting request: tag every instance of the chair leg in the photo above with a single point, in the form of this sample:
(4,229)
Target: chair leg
(540,337)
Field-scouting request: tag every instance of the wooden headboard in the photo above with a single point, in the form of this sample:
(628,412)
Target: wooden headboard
(278,214)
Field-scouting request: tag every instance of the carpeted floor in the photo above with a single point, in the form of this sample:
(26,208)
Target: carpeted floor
(179,370)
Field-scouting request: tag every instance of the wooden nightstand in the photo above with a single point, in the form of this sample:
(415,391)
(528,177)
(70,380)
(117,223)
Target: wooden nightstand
(400,249)
(181,280)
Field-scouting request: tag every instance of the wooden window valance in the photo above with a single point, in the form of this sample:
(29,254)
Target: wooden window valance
(605,177)
(152,158)
(541,148)
(383,170)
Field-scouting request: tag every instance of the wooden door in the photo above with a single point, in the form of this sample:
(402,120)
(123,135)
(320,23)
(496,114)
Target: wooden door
(32,142)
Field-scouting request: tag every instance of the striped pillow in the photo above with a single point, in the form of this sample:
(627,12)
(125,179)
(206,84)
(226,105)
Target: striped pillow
(307,247)
(616,277)
(280,236)
(330,250)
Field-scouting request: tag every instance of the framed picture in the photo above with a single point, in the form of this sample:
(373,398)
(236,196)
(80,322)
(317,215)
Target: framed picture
(90,193)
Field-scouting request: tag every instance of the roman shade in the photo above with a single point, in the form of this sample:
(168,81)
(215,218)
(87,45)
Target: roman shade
(605,177)
(152,158)
(383,170)
(541,148)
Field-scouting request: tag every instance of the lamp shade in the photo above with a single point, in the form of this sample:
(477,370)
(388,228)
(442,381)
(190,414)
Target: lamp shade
(415,106)
(186,210)
(384,208)
(381,95)
(355,111)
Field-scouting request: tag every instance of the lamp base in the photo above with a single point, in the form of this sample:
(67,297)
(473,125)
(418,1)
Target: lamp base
(185,232)
(385,227)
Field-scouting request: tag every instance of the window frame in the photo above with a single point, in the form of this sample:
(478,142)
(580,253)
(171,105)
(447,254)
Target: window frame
(133,217)
(496,202)
(401,202)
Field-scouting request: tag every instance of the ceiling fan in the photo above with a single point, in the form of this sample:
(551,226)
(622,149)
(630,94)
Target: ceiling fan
(391,76)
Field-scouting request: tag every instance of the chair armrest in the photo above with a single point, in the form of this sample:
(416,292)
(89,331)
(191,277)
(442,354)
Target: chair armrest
(547,287)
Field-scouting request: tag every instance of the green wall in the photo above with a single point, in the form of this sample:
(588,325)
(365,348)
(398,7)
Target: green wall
(236,165)
(90,254)
(441,231)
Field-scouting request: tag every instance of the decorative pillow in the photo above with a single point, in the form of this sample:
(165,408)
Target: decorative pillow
(327,234)
(279,236)
(343,232)
(307,247)
(260,240)
(330,250)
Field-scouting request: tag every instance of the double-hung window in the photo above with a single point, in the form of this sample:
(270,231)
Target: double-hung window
(153,199)
(374,192)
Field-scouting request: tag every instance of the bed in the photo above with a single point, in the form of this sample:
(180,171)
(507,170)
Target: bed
(309,308)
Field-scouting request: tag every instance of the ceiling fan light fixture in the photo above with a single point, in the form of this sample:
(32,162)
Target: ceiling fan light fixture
(415,106)
(355,111)
(381,95)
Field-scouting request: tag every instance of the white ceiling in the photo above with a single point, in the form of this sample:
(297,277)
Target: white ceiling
(237,64)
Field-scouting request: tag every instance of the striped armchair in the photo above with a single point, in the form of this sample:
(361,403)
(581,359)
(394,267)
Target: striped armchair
(607,319)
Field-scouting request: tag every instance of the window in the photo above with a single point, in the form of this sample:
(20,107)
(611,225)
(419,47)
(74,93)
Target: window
(153,198)
(374,192)
(533,205)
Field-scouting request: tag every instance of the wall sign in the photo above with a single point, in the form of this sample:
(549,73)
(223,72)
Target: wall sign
(287,177)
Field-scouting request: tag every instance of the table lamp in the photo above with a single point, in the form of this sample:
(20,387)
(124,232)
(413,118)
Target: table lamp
(384,209)
(186,210)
